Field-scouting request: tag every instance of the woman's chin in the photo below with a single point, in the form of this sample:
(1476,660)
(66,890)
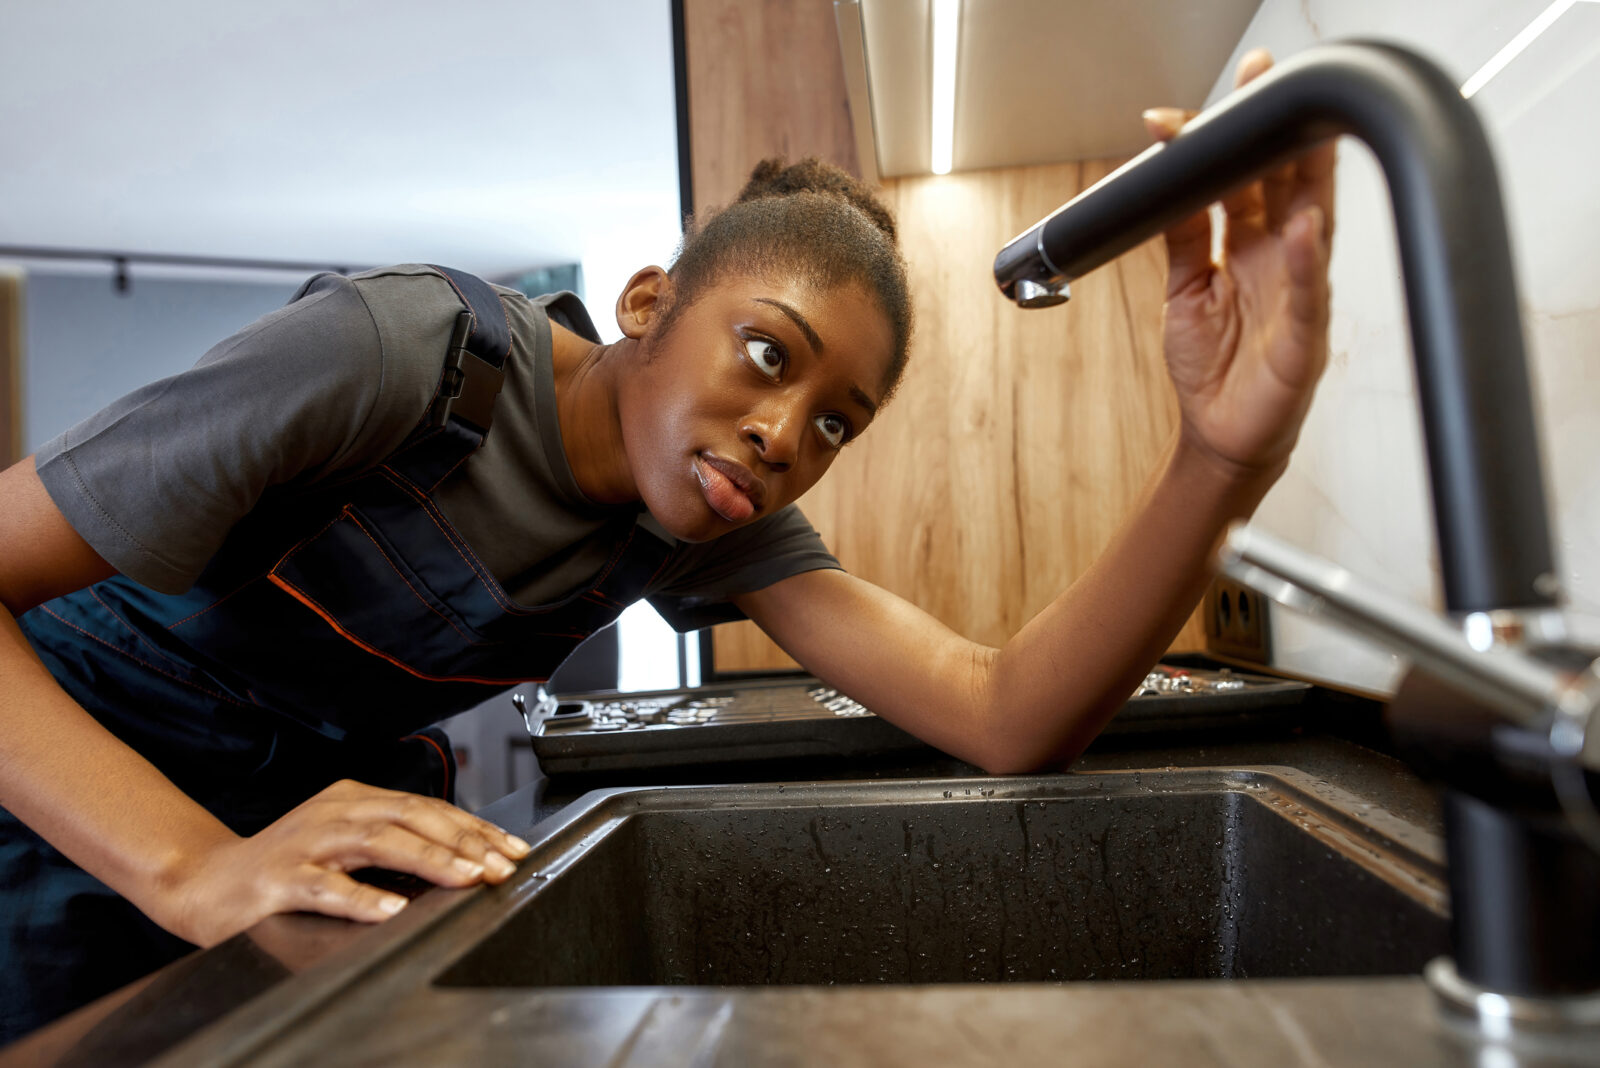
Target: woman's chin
(687,520)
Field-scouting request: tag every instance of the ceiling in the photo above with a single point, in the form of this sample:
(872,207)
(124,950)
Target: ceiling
(502,134)
(1039,81)
(495,135)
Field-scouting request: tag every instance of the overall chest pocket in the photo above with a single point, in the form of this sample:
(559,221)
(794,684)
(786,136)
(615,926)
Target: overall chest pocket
(431,609)
(351,575)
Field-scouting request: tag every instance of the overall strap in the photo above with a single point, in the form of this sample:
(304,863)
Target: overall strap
(474,367)
(463,406)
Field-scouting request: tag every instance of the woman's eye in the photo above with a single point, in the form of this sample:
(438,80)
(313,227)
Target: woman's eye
(834,429)
(767,357)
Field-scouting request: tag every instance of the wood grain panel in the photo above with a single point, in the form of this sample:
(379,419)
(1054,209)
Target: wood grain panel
(1020,439)
(11,296)
(765,79)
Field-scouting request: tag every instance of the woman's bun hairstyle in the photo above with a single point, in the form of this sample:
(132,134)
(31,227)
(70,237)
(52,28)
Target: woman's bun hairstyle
(776,178)
(808,219)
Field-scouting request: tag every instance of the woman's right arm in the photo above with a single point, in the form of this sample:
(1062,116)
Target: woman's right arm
(116,816)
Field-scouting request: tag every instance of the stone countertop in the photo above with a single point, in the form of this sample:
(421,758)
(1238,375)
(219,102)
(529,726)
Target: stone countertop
(214,1005)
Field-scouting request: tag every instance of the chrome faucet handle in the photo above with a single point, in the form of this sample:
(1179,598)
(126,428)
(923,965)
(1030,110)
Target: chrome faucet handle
(544,703)
(1528,692)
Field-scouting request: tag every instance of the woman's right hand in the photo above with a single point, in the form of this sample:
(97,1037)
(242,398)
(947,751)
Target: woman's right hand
(300,863)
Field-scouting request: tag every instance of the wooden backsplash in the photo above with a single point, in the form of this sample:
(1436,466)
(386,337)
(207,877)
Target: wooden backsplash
(1019,439)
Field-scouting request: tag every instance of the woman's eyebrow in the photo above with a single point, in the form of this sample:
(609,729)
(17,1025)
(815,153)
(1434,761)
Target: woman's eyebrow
(798,319)
(857,394)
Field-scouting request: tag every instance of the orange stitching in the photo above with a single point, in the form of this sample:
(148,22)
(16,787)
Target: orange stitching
(213,604)
(180,681)
(451,471)
(484,578)
(126,626)
(456,541)
(662,566)
(423,435)
(425,603)
(616,558)
(444,761)
(327,617)
(297,546)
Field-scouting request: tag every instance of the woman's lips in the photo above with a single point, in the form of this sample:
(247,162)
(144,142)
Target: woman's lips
(732,489)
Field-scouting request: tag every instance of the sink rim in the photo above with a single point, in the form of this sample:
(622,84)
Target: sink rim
(1356,828)
(408,952)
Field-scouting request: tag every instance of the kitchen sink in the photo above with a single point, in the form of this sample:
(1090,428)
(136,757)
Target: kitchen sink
(1203,873)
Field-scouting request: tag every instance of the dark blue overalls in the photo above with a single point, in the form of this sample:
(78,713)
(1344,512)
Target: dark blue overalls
(332,627)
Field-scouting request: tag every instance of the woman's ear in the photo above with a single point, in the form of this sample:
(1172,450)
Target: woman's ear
(643,299)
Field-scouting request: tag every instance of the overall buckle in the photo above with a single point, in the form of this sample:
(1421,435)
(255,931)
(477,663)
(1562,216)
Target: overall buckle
(469,385)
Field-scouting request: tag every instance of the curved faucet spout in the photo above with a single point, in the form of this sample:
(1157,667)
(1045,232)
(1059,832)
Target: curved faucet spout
(1461,294)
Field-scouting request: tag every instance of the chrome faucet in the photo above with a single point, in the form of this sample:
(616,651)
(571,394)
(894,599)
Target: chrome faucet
(1524,880)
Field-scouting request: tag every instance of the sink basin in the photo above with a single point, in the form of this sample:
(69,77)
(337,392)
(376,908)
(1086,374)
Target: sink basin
(1171,874)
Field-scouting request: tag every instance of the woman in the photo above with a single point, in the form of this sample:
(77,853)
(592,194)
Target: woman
(242,594)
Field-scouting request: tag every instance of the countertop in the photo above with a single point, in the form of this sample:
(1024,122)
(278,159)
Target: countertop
(215,1005)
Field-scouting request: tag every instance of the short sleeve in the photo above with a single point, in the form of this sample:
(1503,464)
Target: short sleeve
(155,481)
(693,588)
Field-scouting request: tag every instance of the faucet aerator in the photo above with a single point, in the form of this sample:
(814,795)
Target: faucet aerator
(1030,294)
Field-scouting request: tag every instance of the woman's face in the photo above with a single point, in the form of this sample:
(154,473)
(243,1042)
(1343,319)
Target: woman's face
(744,401)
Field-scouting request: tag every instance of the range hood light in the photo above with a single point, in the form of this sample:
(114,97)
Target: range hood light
(946,22)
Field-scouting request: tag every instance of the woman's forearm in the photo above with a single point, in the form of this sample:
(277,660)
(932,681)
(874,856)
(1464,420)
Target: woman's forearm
(1038,700)
(116,816)
(1060,679)
(84,791)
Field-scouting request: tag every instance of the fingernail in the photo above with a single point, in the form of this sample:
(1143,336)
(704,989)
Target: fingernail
(1310,220)
(392,903)
(467,867)
(522,848)
(499,865)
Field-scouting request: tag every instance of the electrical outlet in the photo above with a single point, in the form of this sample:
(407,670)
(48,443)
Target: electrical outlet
(1236,622)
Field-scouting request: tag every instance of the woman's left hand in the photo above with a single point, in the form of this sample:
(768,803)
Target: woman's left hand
(1246,338)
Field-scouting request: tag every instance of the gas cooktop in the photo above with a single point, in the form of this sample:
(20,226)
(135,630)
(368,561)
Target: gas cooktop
(801,717)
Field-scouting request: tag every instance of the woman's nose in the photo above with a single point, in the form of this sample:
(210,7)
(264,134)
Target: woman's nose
(774,437)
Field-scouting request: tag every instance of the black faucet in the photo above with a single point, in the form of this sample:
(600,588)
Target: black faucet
(1524,887)
(1461,294)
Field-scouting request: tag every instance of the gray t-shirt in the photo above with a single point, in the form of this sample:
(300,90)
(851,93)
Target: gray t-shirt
(331,384)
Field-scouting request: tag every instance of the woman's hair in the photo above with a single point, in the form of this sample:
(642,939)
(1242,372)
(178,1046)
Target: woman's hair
(809,219)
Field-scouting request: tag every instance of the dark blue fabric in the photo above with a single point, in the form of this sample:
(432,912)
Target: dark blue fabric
(330,629)
(491,333)
(67,939)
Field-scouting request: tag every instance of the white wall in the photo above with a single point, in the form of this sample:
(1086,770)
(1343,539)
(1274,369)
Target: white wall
(489,135)
(1356,491)
(87,345)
